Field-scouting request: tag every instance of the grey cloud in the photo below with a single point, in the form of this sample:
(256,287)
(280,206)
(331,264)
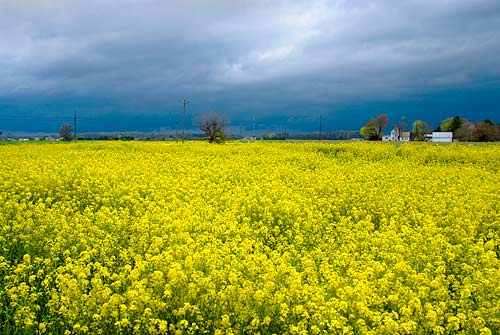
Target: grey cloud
(319,49)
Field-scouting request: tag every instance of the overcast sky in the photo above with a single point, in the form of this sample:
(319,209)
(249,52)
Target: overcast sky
(279,59)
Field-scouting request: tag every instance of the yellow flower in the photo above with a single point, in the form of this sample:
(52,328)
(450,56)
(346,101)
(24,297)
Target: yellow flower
(110,237)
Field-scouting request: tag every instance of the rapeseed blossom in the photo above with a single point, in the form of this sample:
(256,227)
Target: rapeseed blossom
(263,238)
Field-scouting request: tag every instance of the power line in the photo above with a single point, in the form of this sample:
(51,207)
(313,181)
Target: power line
(42,118)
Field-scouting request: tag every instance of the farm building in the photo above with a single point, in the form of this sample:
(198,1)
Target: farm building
(438,136)
(397,135)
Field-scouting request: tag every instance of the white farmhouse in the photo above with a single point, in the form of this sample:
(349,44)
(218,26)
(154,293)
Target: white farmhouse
(405,136)
(441,136)
(397,135)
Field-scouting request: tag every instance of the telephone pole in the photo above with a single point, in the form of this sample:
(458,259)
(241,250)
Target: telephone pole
(176,131)
(320,124)
(74,124)
(184,103)
(254,136)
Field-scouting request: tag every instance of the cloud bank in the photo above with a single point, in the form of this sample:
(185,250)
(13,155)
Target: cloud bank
(247,54)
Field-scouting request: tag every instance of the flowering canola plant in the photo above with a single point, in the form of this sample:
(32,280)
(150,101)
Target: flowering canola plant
(249,238)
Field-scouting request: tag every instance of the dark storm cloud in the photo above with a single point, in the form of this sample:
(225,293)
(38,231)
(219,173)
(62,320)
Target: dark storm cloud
(254,53)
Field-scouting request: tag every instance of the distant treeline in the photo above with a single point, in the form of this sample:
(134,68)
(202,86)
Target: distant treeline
(330,135)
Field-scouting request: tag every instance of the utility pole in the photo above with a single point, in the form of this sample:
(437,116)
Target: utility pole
(184,103)
(286,134)
(254,137)
(176,131)
(320,125)
(74,124)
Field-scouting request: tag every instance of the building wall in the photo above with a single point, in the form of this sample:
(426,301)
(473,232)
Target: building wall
(442,137)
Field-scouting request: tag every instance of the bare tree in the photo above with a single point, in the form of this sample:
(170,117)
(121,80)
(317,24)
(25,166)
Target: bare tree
(213,127)
(66,132)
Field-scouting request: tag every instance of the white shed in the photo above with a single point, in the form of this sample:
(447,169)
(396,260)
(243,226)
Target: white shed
(442,136)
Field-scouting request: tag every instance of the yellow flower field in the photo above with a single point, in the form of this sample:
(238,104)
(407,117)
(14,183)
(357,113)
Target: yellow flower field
(244,238)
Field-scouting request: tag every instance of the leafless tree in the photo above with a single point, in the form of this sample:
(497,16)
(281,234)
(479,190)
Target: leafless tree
(66,132)
(213,127)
